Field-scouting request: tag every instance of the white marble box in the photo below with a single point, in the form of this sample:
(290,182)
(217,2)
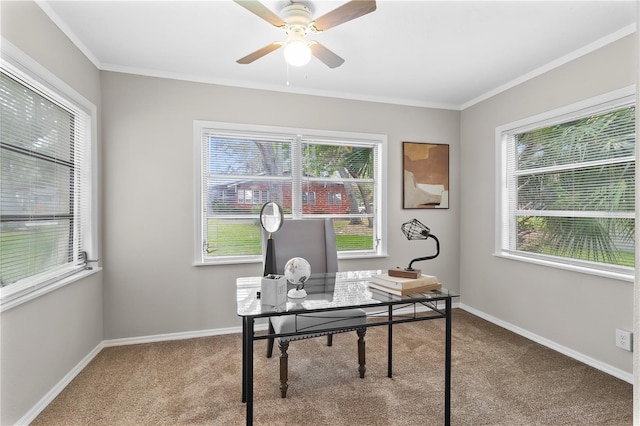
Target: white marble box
(273,290)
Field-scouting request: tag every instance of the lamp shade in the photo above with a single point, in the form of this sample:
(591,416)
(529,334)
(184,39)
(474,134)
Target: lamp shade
(415,230)
(297,53)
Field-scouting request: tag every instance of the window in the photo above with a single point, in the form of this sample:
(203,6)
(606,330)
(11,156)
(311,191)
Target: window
(308,197)
(45,184)
(295,168)
(568,189)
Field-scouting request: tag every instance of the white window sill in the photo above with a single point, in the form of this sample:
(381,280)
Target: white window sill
(9,299)
(575,268)
(362,256)
(240,260)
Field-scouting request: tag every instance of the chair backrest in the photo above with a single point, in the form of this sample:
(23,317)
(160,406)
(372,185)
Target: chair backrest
(312,239)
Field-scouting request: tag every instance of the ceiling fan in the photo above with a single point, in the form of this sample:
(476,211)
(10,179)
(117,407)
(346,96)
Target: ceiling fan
(297,22)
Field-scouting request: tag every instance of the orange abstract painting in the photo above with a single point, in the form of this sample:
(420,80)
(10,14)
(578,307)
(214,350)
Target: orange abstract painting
(426,175)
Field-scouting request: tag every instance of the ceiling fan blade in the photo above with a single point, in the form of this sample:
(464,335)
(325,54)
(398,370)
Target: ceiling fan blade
(329,58)
(262,11)
(260,53)
(348,11)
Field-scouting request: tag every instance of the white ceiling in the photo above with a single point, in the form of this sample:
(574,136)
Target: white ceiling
(447,54)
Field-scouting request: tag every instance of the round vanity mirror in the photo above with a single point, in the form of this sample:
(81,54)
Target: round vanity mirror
(271,217)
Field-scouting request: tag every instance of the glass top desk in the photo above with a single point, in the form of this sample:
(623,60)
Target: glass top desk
(331,292)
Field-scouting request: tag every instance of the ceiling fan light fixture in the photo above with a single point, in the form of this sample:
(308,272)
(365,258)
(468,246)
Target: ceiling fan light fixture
(297,53)
(296,20)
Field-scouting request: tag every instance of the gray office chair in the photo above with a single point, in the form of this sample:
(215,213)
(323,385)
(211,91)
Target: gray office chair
(314,240)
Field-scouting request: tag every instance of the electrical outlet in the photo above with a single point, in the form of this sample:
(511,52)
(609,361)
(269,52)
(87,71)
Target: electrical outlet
(624,339)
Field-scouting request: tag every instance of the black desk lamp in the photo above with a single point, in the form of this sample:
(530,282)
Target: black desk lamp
(414,230)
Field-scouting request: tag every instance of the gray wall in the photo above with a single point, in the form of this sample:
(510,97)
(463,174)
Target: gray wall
(577,311)
(43,340)
(151,286)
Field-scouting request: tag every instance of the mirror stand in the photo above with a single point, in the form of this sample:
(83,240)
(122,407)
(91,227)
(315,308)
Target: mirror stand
(271,218)
(270,258)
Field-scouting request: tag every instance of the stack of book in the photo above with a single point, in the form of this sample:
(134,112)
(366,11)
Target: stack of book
(402,286)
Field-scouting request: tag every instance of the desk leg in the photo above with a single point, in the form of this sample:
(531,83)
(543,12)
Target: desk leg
(390,344)
(447,368)
(244,359)
(247,366)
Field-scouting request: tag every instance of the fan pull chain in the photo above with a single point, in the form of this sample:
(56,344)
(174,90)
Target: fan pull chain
(287,73)
(306,76)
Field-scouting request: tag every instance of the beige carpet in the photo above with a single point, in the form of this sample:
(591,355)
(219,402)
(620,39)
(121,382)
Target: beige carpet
(498,378)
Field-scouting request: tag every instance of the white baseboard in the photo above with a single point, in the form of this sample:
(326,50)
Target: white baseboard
(173,336)
(260,326)
(606,368)
(55,391)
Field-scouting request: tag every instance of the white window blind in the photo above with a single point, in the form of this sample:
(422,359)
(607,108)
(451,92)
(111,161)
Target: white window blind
(241,167)
(569,194)
(237,168)
(44,179)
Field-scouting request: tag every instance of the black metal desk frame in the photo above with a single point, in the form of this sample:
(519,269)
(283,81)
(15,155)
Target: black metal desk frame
(428,300)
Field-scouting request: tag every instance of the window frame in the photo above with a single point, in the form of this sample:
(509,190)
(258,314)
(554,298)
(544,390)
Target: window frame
(24,68)
(598,104)
(315,135)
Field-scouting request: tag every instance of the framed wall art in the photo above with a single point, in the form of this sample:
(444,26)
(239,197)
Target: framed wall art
(426,175)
